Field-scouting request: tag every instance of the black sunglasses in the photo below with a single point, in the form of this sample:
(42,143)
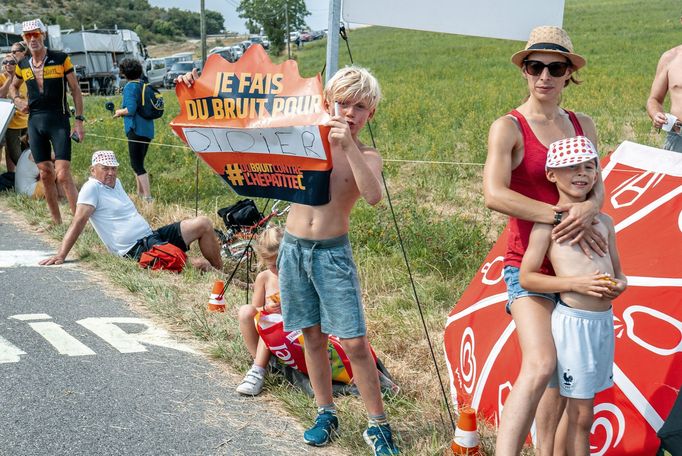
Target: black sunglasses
(535,68)
(9,62)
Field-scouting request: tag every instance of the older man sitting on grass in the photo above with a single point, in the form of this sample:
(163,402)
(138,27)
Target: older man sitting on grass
(120,226)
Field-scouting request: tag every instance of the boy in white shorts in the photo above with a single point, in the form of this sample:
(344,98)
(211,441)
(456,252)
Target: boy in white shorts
(582,321)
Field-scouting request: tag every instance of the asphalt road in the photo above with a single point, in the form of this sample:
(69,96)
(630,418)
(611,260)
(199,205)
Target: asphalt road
(81,373)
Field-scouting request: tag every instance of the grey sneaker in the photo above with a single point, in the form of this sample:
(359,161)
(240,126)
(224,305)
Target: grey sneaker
(252,384)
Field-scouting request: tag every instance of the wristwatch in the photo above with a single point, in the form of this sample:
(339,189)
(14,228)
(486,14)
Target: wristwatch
(80,117)
(557,217)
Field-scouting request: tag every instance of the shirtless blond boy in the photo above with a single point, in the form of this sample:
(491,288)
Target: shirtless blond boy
(318,279)
(319,287)
(582,321)
(668,79)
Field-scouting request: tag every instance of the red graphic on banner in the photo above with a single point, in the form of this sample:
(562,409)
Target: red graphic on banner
(260,126)
(643,188)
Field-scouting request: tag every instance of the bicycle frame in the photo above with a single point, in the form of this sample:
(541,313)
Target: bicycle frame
(236,242)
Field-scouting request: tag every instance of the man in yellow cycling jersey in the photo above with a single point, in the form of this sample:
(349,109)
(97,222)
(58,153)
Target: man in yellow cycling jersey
(46,74)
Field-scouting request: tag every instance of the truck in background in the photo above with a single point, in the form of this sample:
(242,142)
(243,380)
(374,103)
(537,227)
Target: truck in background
(96,54)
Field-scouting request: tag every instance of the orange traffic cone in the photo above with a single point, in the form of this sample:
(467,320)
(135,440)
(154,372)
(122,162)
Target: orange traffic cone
(216,303)
(466,439)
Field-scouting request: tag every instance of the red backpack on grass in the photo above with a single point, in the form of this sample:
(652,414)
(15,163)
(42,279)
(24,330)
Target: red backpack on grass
(164,256)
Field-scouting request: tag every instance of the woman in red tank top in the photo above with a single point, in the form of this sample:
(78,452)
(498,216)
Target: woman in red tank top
(514,183)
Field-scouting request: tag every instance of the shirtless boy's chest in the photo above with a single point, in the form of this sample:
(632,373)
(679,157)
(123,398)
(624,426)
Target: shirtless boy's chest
(570,260)
(342,180)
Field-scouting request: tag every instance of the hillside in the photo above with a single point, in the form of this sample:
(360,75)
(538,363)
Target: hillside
(191,44)
(152,24)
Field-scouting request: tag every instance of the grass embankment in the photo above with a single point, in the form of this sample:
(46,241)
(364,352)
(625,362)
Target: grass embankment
(441,94)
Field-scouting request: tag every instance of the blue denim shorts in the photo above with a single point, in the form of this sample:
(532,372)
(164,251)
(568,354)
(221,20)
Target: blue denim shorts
(319,285)
(673,141)
(515,291)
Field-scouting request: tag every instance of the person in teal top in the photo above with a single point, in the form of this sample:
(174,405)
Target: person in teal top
(138,130)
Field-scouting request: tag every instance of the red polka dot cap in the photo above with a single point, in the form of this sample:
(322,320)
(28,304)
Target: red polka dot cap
(571,151)
(35,24)
(104,158)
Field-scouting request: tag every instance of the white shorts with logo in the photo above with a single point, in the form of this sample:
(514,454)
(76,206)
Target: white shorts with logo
(585,343)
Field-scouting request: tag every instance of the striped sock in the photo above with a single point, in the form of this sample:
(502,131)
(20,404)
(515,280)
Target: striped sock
(327,408)
(377,420)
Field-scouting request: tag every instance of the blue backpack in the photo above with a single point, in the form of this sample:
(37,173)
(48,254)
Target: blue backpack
(151,102)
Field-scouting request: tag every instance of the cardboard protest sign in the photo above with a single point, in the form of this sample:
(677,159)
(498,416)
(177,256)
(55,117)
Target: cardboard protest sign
(260,126)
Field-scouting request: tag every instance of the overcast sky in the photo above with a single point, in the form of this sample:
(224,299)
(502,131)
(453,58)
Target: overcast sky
(319,9)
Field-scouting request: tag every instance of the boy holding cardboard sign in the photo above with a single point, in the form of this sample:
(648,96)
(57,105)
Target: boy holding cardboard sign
(319,287)
(318,279)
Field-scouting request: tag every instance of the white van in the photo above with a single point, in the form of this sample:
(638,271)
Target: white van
(155,69)
(178,57)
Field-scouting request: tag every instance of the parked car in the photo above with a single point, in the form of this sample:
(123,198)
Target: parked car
(179,57)
(293,36)
(238,51)
(228,53)
(260,40)
(155,69)
(306,36)
(178,69)
(245,44)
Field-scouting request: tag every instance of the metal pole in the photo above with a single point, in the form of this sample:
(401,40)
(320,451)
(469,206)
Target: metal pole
(203,32)
(333,38)
(288,36)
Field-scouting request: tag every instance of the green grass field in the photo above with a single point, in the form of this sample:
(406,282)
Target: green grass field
(441,93)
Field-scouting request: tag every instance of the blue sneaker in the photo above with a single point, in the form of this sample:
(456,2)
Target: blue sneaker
(380,439)
(323,431)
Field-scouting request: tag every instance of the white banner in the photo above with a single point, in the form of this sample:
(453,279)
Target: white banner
(507,19)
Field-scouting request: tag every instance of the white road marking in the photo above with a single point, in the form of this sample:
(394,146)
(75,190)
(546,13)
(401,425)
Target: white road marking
(19,258)
(62,341)
(29,317)
(124,342)
(9,353)
(105,327)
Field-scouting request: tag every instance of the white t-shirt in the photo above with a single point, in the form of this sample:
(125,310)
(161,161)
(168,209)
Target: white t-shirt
(26,175)
(116,220)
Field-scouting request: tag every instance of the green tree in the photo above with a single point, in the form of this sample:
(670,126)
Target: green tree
(271,16)
(252,27)
(165,28)
(215,23)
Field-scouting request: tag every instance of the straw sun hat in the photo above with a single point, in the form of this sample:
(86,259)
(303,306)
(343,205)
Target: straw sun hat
(547,38)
